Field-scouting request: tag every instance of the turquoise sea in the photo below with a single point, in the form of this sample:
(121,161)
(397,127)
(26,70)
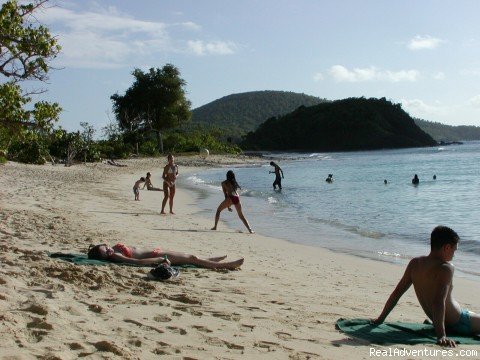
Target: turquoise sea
(357,213)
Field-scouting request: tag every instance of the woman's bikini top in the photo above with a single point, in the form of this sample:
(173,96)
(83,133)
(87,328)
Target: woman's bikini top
(172,169)
(123,249)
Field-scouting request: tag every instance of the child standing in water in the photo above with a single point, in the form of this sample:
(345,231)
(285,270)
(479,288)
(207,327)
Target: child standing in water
(136,188)
(229,188)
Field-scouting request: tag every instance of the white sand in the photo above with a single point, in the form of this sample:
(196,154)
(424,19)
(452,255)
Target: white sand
(282,304)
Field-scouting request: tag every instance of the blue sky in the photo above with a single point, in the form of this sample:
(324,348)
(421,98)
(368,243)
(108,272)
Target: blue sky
(422,54)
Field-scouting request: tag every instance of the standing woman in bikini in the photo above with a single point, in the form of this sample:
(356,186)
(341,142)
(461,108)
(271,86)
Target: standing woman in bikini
(170,174)
(229,188)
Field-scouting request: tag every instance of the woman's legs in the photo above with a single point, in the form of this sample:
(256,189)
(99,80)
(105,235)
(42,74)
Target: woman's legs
(172,194)
(223,205)
(165,196)
(238,207)
(217,258)
(178,258)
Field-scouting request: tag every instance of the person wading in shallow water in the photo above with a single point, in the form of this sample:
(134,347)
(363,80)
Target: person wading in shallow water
(278,180)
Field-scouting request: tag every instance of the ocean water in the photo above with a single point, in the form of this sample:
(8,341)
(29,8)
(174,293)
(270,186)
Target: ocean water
(357,213)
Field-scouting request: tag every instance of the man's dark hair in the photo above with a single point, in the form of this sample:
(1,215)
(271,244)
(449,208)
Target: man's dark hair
(443,235)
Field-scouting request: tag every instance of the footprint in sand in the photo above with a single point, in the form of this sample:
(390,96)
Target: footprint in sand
(162,318)
(75,346)
(184,298)
(202,328)
(107,346)
(283,335)
(225,316)
(36,309)
(38,323)
(247,327)
(177,330)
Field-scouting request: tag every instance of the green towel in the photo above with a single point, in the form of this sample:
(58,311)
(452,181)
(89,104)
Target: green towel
(397,332)
(82,259)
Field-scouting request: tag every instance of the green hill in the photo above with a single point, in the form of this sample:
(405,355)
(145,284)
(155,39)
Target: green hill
(342,125)
(238,114)
(442,132)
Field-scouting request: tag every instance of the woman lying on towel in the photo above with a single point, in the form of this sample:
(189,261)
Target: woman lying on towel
(133,255)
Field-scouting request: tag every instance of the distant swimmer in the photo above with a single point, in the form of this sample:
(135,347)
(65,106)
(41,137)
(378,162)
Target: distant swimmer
(415,180)
(278,180)
(329,179)
(434,177)
(385,181)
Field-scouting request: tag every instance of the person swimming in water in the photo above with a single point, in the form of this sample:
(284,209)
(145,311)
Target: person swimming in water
(415,180)
(229,188)
(134,255)
(170,174)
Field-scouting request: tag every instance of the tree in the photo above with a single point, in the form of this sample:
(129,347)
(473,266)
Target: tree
(156,101)
(26,48)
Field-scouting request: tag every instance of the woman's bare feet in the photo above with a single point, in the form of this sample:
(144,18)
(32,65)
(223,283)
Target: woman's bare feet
(232,265)
(214,228)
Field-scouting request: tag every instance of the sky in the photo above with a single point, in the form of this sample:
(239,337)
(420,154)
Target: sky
(422,54)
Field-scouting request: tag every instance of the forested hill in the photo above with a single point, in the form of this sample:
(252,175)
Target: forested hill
(442,132)
(238,114)
(342,125)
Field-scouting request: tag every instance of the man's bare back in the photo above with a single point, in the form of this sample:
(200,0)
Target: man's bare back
(424,272)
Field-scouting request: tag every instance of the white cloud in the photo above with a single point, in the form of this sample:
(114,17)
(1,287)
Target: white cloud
(200,47)
(475,101)
(317,77)
(342,74)
(424,42)
(470,72)
(105,38)
(439,76)
(419,108)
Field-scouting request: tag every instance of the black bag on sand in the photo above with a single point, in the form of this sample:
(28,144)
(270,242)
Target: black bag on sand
(163,272)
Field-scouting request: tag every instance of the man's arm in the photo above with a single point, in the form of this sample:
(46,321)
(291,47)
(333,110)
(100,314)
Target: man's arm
(443,283)
(402,286)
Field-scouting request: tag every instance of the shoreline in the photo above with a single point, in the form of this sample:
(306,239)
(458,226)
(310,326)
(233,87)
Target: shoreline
(204,193)
(283,303)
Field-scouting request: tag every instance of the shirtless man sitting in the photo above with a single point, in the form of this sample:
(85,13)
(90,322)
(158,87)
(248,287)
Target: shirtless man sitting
(432,278)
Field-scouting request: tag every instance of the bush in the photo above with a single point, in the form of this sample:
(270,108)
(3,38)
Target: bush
(148,148)
(29,152)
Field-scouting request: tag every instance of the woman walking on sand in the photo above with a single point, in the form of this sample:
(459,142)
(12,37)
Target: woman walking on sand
(229,188)
(170,174)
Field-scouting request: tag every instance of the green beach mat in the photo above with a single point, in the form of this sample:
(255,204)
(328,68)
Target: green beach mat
(397,332)
(82,259)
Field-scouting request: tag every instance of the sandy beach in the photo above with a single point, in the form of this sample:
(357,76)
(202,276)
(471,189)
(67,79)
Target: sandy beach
(282,304)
